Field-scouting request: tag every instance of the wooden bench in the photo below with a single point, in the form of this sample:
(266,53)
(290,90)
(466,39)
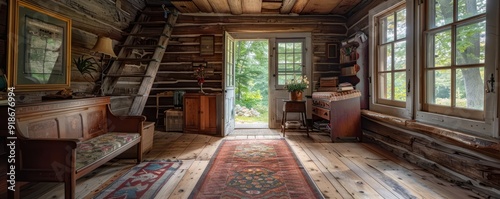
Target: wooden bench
(61,141)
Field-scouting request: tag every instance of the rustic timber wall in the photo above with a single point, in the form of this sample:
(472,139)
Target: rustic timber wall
(471,161)
(91,18)
(184,48)
(359,21)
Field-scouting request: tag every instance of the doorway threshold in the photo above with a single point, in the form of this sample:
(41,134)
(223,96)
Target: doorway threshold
(251,125)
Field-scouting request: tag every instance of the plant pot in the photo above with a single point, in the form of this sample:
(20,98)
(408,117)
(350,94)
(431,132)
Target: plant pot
(296,95)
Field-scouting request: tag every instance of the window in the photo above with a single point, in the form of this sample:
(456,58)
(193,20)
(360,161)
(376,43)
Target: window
(391,57)
(454,67)
(290,60)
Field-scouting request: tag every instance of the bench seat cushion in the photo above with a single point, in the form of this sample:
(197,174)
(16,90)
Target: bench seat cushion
(92,150)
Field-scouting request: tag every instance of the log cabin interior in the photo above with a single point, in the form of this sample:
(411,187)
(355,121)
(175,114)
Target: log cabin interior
(421,122)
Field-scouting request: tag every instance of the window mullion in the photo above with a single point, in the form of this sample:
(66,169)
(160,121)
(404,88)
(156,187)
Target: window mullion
(453,63)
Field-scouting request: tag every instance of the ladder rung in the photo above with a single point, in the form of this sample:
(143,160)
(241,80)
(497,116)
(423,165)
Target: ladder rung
(141,46)
(124,95)
(149,22)
(127,75)
(145,34)
(134,59)
(153,12)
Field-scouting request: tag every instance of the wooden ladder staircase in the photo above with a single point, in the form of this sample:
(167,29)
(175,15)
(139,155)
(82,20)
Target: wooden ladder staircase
(131,75)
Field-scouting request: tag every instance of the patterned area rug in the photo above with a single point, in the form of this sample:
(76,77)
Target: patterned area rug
(255,169)
(143,181)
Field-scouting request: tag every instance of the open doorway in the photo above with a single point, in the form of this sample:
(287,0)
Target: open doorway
(251,83)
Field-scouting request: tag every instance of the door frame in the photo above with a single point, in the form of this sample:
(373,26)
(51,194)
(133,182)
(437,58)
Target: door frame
(274,118)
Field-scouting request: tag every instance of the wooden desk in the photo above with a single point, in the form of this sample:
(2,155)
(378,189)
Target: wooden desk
(294,107)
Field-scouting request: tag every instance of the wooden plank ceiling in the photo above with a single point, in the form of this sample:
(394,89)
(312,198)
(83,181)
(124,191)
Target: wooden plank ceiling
(238,7)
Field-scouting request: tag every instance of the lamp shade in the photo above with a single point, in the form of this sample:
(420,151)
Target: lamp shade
(104,45)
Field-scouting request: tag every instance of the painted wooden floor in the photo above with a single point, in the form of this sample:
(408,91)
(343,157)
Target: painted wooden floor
(340,170)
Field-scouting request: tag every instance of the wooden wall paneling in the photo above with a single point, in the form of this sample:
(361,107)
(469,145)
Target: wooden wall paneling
(345,6)
(191,57)
(202,29)
(361,25)
(220,6)
(185,6)
(89,17)
(320,6)
(441,155)
(362,13)
(235,6)
(189,49)
(251,6)
(203,5)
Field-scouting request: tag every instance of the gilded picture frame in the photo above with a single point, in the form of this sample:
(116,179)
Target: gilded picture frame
(331,50)
(39,56)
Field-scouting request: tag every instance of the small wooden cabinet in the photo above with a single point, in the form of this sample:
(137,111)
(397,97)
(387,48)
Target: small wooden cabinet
(343,115)
(200,113)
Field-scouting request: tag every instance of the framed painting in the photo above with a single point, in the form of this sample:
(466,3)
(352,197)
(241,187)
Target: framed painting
(207,45)
(40,48)
(331,50)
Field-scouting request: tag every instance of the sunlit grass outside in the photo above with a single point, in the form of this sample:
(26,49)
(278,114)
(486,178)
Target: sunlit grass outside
(263,118)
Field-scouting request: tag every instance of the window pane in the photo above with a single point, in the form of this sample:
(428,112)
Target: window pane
(385,86)
(469,88)
(297,47)
(289,48)
(281,48)
(281,79)
(289,58)
(401,24)
(439,87)
(281,58)
(466,8)
(400,86)
(298,67)
(400,55)
(387,25)
(441,49)
(281,67)
(443,12)
(471,43)
(385,58)
(298,58)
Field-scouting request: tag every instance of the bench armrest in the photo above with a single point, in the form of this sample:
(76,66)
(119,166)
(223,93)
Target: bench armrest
(47,154)
(130,124)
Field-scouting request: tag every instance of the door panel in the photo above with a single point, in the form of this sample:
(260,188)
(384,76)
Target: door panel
(289,62)
(229,115)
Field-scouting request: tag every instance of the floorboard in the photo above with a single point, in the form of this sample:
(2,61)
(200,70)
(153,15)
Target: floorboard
(339,170)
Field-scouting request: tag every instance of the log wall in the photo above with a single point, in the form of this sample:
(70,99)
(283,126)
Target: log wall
(470,161)
(183,49)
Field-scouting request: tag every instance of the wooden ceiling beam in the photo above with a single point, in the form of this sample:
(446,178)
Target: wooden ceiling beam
(287,6)
(203,5)
(235,6)
(271,5)
(343,7)
(299,6)
(185,6)
(220,6)
(320,6)
(252,6)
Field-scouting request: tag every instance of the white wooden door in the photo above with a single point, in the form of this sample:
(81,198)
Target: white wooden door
(289,62)
(229,114)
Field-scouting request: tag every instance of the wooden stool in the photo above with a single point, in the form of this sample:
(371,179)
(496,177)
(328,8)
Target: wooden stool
(294,107)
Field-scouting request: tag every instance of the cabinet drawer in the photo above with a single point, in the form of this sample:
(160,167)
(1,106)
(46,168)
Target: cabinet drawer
(321,103)
(321,112)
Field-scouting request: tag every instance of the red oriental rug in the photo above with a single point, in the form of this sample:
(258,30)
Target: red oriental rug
(255,169)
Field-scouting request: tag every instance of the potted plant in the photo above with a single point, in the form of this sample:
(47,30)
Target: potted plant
(86,66)
(296,87)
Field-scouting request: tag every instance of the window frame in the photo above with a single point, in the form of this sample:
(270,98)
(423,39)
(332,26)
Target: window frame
(277,71)
(402,109)
(392,71)
(489,126)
